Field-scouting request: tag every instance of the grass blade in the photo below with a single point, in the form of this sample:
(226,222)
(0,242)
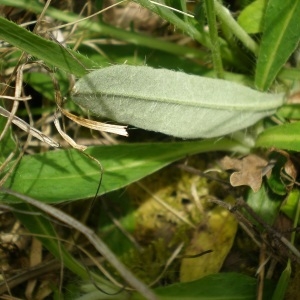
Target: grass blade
(285,136)
(99,245)
(65,175)
(107,30)
(50,52)
(280,38)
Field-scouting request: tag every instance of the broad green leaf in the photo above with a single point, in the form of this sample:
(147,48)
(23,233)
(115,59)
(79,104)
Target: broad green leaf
(284,136)
(251,17)
(221,286)
(225,286)
(66,175)
(173,103)
(281,36)
(265,204)
(52,53)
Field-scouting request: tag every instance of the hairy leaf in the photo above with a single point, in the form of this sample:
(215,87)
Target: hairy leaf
(174,103)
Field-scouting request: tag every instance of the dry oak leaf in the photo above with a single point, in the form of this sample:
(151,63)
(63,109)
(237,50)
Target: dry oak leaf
(250,170)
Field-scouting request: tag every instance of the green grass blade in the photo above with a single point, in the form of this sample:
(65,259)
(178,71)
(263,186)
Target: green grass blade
(280,38)
(44,231)
(50,52)
(171,17)
(290,207)
(283,282)
(187,27)
(67,175)
(7,145)
(93,238)
(107,30)
(285,136)
(42,228)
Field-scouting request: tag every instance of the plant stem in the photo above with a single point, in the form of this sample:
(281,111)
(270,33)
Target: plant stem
(187,27)
(107,30)
(237,30)
(213,31)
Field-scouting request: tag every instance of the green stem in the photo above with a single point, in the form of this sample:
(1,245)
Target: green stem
(154,43)
(213,31)
(237,30)
(107,30)
(188,28)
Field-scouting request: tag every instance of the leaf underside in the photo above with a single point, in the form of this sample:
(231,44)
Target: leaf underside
(174,103)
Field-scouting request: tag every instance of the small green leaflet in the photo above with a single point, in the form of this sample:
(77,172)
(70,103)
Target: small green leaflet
(174,103)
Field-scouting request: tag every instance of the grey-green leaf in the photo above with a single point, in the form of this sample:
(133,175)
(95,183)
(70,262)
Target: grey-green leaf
(174,103)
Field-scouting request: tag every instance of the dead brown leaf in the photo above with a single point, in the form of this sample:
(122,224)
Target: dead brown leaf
(250,170)
(294,98)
